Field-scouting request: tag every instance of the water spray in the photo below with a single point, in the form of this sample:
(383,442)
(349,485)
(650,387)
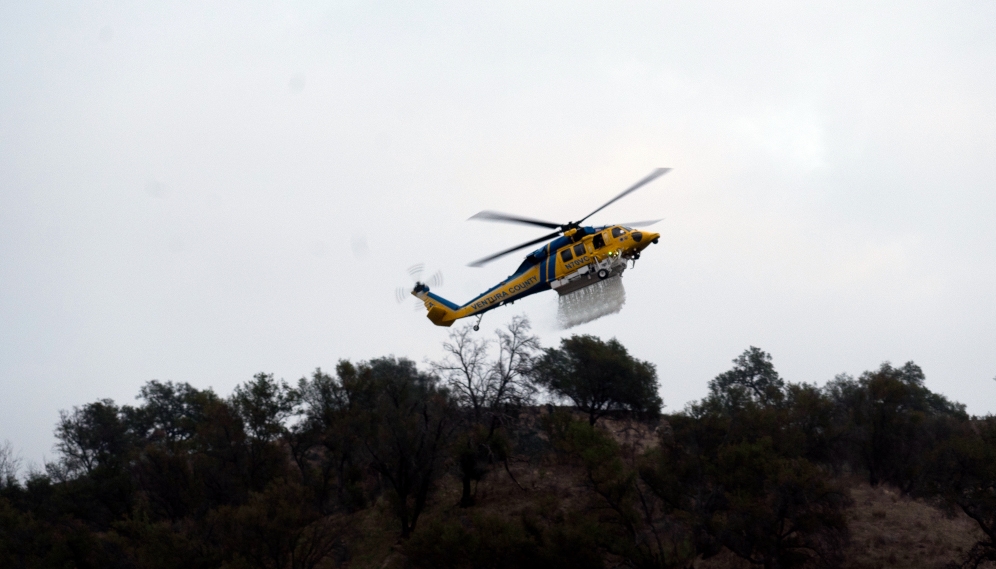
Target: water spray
(591,303)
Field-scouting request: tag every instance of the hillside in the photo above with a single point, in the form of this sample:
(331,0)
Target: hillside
(384,465)
(887,529)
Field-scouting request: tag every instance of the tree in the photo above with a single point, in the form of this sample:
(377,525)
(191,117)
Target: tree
(964,475)
(28,542)
(165,427)
(170,412)
(409,427)
(90,436)
(219,456)
(753,379)
(634,523)
(779,511)
(598,377)
(737,466)
(892,421)
(744,490)
(10,464)
(490,386)
(275,529)
(489,391)
(326,444)
(96,451)
(263,404)
(811,428)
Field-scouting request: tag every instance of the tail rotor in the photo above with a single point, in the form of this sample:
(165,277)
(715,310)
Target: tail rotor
(415,273)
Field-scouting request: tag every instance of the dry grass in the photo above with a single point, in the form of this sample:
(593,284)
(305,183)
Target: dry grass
(890,530)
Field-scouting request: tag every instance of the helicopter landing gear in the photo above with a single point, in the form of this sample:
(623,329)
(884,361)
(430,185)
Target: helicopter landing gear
(603,273)
(477,325)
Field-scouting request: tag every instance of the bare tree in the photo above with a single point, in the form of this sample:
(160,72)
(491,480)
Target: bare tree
(516,349)
(10,465)
(489,391)
(466,370)
(490,386)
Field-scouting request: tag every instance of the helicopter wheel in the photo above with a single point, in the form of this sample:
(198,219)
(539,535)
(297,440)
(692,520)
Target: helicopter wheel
(476,327)
(603,273)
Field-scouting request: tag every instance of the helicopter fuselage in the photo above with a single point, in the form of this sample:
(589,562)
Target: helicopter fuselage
(580,257)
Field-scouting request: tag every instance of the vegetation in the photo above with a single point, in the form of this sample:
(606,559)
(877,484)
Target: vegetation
(598,377)
(383,464)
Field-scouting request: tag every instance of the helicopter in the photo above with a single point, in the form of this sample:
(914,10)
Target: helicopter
(576,256)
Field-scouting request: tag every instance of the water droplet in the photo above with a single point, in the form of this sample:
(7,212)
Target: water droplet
(591,303)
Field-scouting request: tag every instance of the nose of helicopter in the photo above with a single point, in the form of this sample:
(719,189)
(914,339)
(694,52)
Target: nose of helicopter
(645,238)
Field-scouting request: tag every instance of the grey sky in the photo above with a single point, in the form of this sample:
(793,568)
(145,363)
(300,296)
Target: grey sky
(198,192)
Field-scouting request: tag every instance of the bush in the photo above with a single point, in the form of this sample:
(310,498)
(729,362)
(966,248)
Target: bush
(493,542)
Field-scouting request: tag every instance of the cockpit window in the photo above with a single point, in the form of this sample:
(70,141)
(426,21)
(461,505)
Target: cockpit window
(617,232)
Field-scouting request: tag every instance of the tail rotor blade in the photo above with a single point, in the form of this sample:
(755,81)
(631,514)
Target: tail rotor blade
(400,293)
(436,280)
(415,271)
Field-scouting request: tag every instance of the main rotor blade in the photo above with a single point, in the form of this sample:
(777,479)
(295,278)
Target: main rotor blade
(650,178)
(647,223)
(486,260)
(498,216)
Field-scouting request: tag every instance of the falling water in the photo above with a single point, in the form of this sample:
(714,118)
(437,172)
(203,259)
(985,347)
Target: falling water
(591,303)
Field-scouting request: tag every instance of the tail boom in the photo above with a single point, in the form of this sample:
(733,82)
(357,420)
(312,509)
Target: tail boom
(444,313)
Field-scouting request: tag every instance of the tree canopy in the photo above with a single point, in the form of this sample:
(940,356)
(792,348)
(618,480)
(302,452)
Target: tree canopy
(598,377)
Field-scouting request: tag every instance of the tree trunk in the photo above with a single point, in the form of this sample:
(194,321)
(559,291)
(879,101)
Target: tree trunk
(403,514)
(466,499)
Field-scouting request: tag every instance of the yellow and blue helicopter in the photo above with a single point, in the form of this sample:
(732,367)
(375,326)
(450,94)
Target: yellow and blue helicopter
(578,256)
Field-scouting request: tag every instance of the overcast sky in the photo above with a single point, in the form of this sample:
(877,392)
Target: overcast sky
(201,191)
